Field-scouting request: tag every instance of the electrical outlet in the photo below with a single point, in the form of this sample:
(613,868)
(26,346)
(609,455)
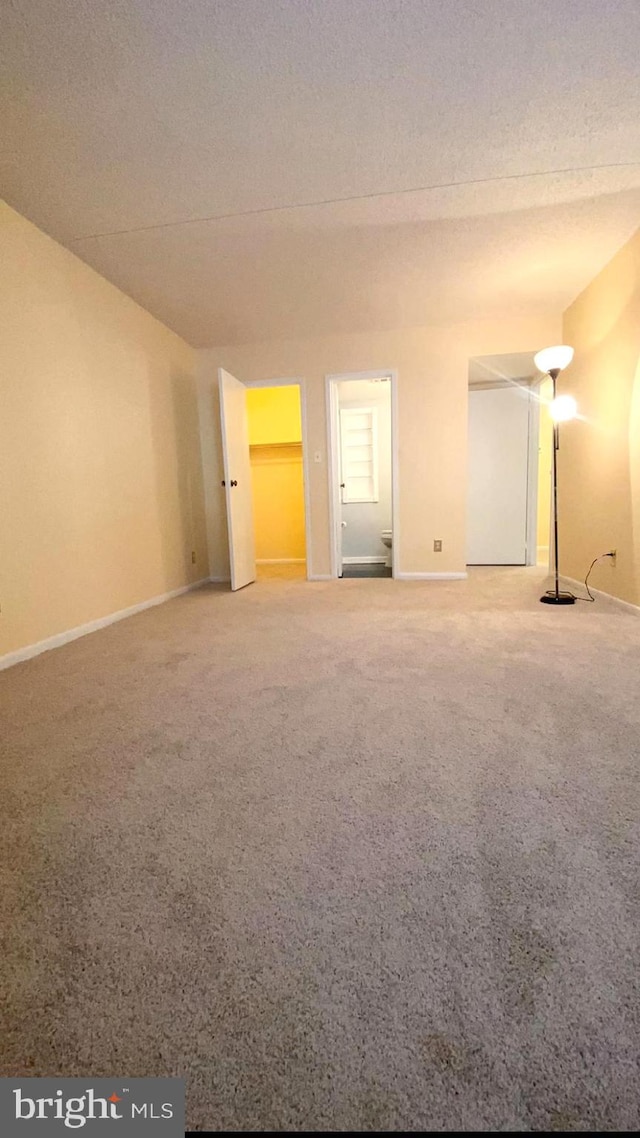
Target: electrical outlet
(437,546)
(193,556)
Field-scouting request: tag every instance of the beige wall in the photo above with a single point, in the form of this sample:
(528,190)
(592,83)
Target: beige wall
(433,371)
(101,496)
(599,457)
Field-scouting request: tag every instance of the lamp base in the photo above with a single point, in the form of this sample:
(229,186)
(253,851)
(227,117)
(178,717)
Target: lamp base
(553,598)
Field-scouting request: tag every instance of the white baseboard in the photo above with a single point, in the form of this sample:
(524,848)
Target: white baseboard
(430,576)
(635,609)
(219,580)
(61,638)
(280,560)
(364,560)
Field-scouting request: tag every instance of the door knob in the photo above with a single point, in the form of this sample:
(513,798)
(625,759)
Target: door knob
(233,482)
(342,485)
(223,483)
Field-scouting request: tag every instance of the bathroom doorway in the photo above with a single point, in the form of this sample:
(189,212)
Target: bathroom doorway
(362,473)
(275,420)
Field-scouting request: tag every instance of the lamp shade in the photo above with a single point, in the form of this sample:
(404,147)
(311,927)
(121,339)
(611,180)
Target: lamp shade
(563,408)
(550,359)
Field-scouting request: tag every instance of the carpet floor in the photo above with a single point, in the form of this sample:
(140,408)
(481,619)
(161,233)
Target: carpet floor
(346,855)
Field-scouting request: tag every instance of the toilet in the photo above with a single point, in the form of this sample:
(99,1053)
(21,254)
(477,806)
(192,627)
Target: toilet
(386,537)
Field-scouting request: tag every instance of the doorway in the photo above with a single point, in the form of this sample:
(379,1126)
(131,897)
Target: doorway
(509,473)
(265,476)
(277,479)
(498,475)
(362,473)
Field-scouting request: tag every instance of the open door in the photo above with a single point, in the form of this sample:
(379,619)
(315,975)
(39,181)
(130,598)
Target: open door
(237,479)
(498,474)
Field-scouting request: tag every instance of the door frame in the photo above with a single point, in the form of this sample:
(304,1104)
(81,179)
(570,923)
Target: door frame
(297,381)
(333,459)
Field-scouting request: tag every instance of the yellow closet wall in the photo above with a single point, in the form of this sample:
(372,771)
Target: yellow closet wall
(275,434)
(274,415)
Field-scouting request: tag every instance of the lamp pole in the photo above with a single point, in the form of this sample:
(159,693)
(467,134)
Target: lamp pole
(554,596)
(554,376)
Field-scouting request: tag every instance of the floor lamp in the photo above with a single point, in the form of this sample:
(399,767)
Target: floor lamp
(552,361)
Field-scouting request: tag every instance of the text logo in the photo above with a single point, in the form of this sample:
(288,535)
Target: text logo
(131,1106)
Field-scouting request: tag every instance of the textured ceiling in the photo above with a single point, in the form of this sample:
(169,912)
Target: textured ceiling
(257,168)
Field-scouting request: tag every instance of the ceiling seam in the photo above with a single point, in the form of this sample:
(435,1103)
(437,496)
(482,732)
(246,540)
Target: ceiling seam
(353,198)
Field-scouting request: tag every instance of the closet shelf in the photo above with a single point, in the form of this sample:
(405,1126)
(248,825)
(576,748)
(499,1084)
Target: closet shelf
(266,446)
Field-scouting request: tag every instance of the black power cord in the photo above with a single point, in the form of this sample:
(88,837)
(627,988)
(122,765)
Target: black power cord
(590,598)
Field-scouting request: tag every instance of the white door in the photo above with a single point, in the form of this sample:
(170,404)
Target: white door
(237,479)
(498,476)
